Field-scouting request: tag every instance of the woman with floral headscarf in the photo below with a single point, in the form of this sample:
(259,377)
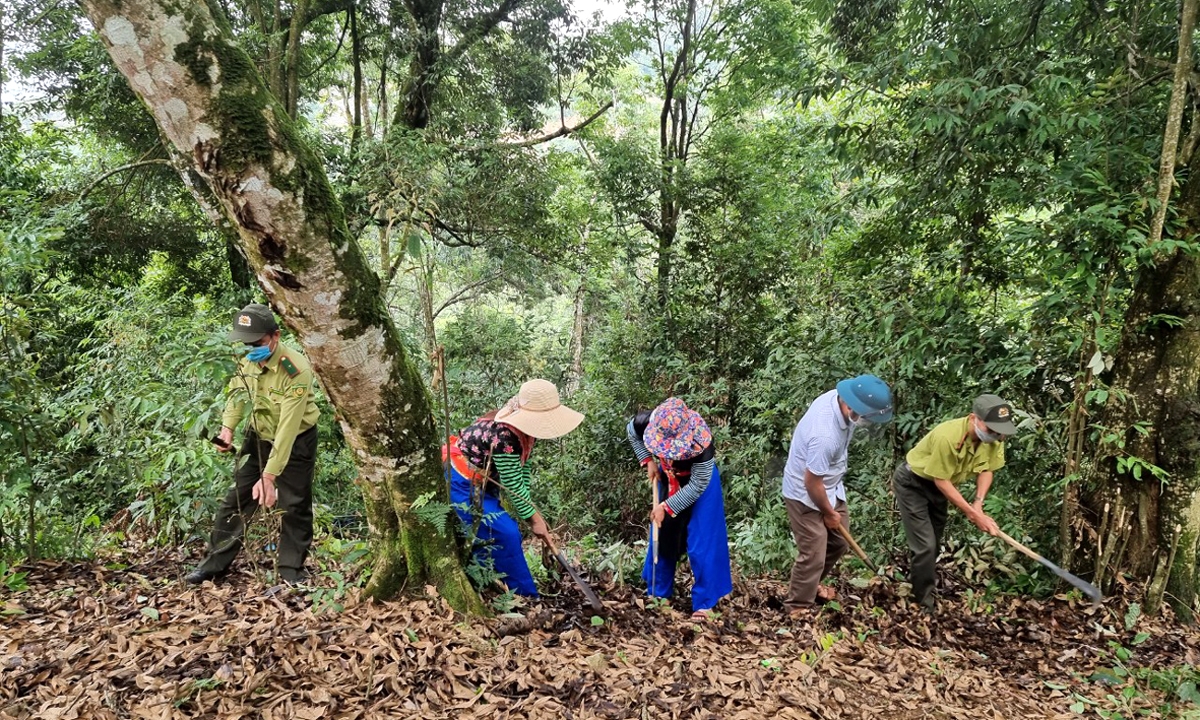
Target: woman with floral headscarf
(675,446)
(493,454)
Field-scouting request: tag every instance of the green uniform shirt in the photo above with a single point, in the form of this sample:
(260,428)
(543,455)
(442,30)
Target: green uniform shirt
(948,453)
(284,405)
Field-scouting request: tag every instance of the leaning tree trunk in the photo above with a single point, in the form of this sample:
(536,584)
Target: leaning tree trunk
(1149,528)
(212,106)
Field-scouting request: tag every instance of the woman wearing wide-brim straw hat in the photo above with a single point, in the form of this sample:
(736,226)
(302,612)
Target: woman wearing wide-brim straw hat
(493,454)
(676,447)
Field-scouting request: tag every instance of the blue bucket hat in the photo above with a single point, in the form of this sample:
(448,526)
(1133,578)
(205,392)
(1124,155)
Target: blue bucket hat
(868,396)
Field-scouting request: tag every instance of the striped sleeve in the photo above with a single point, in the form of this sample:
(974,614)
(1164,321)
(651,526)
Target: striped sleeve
(635,440)
(687,496)
(514,478)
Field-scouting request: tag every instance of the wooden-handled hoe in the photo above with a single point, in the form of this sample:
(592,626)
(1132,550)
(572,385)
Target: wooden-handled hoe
(1088,589)
(583,586)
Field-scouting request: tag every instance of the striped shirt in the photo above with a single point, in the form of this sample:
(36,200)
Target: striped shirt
(820,445)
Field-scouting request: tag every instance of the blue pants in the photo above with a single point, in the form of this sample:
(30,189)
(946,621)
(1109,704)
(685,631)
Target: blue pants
(700,532)
(498,537)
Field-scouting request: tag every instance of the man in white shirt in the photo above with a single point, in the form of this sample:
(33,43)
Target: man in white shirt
(813,490)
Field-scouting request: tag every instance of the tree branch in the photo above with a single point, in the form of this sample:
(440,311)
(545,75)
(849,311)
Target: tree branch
(1193,136)
(336,50)
(461,295)
(479,27)
(562,131)
(650,225)
(42,15)
(1166,169)
(316,10)
(104,176)
(459,239)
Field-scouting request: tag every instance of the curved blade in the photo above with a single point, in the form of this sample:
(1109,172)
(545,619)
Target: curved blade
(583,586)
(1086,587)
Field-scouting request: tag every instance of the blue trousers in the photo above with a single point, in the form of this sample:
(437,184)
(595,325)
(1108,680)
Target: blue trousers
(498,537)
(700,532)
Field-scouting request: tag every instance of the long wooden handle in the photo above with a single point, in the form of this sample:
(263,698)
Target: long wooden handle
(1020,547)
(653,525)
(857,550)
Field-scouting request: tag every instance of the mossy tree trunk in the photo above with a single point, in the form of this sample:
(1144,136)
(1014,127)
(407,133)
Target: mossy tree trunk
(213,107)
(1149,528)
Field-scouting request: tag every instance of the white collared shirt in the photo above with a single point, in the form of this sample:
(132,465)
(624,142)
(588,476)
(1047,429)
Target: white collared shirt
(820,445)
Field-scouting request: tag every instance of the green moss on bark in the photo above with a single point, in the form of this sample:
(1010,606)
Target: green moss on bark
(199,53)
(390,571)
(240,115)
(238,112)
(434,560)
(1182,585)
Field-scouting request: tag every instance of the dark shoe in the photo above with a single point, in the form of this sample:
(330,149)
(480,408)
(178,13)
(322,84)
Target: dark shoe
(198,576)
(292,576)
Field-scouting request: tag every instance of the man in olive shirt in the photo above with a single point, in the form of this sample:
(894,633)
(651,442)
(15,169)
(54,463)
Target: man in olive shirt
(280,446)
(944,458)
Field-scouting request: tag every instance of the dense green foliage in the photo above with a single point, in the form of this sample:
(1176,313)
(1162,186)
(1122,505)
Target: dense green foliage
(953,196)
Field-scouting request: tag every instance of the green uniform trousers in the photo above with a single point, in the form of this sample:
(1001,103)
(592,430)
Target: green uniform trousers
(294,487)
(923,509)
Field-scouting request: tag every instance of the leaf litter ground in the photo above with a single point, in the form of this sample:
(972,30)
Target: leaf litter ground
(86,641)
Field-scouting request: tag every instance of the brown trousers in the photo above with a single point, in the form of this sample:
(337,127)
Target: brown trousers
(818,550)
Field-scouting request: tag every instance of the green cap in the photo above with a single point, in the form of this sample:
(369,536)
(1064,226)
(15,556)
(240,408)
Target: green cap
(995,413)
(251,323)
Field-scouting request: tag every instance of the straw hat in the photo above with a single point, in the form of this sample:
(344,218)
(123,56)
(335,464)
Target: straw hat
(676,432)
(537,411)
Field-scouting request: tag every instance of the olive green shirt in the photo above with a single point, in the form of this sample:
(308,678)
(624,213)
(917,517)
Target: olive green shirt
(948,452)
(284,404)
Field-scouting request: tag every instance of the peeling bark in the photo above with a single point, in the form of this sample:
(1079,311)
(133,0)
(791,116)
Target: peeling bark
(213,107)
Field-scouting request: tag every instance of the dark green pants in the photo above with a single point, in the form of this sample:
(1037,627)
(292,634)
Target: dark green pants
(294,487)
(923,512)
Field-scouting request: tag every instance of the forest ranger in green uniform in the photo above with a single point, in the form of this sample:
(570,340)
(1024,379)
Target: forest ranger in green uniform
(928,480)
(280,446)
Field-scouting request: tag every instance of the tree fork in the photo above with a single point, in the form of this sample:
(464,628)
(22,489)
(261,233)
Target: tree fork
(212,106)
